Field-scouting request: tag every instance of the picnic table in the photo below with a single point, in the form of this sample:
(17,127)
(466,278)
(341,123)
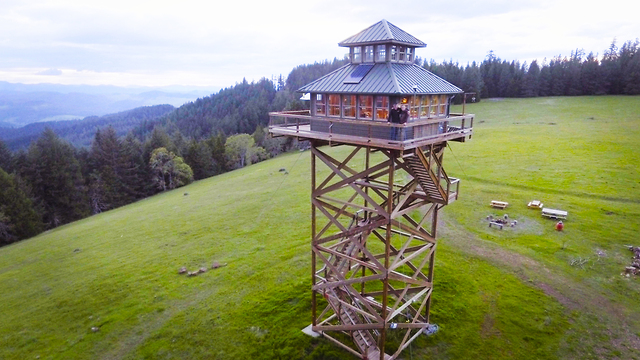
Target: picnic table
(499,204)
(554,213)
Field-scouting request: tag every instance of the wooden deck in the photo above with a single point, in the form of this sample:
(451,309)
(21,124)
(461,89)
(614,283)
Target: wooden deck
(379,134)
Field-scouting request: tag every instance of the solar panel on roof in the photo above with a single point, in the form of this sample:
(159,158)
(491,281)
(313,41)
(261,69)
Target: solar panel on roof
(358,74)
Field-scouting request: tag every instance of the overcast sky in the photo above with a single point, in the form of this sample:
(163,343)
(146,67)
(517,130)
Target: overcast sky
(217,43)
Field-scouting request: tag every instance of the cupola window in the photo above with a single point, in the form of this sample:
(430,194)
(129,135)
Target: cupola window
(368,53)
(381,53)
(357,56)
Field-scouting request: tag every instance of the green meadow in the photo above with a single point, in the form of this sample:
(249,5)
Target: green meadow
(107,287)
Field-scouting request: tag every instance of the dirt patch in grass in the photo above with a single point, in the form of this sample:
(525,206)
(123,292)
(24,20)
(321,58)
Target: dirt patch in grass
(568,303)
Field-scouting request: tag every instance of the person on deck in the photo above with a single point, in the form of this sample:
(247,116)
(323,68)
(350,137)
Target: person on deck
(404,117)
(394,118)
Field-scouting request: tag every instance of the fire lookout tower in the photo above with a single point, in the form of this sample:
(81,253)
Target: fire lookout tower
(373,225)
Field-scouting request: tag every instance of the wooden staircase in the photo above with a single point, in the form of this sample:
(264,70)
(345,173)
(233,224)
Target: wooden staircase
(364,339)
(424,169)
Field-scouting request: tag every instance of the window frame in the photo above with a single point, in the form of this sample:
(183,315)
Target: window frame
(384,108)
(425,103)
(381,53)
(323,103)
(369,54)
(353,108)
(357,54)
(331,105)
(363,106)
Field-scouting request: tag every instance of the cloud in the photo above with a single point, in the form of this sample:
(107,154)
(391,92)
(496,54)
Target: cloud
(50,72)
(218,43)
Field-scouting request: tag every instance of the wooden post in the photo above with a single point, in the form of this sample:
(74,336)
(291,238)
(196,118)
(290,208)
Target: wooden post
(313,236)
(387,250)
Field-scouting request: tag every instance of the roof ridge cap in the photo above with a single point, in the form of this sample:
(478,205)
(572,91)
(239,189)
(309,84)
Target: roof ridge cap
(386,28)
(393,76)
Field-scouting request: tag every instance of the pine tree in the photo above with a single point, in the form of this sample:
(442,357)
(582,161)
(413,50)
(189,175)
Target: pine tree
(198,157)
(6,158)
(137,178)
(111,185)
(18,216)
(216,144)
(54,175)
(532,81)
(591,76)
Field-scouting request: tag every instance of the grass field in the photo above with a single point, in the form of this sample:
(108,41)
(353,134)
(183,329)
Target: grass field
(526,292)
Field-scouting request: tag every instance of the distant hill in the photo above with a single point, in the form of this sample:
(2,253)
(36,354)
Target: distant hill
(243,107)
(80,133)
(22,104)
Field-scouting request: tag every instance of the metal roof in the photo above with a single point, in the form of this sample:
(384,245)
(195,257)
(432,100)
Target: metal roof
(382,32)
(383,78)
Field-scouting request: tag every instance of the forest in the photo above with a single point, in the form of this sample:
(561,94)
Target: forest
(58,174)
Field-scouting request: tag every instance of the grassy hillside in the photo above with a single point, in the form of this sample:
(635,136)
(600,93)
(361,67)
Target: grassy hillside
(526,292)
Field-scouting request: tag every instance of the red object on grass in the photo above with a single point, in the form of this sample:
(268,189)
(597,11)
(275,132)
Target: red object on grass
(559,226)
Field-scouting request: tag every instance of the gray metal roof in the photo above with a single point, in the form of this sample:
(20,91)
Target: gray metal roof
(382,32)
(383,78)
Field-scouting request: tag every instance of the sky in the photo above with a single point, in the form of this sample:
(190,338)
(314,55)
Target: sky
(215,44)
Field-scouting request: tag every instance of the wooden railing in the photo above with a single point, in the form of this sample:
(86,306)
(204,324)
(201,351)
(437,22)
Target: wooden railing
(372,129)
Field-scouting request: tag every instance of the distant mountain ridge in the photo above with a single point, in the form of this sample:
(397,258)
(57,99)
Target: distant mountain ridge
(22,104)
(80,133)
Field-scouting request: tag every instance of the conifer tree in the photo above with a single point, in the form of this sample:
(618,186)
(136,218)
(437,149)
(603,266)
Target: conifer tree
(54,175)
(18,216)
(6,158)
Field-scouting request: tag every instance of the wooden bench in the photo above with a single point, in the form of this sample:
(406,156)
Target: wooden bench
(496,224)
(499,204)
(554,213)
(535,204)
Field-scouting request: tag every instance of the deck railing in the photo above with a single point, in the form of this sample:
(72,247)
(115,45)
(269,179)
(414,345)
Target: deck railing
(372,129)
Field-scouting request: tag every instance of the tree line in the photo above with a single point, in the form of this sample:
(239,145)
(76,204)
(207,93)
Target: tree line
(617,72)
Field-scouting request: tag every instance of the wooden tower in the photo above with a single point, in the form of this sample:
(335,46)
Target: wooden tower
(373,221)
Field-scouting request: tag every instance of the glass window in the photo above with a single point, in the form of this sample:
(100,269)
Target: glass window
(415,106)
(424,106)
(409,55)
(357,56)
(349,105)
(434,105)
(365,110)
(381,53)
(443,105)
(394,55)
(334,105)
(368,53)
(400,53)
(321,105)
(382,108)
